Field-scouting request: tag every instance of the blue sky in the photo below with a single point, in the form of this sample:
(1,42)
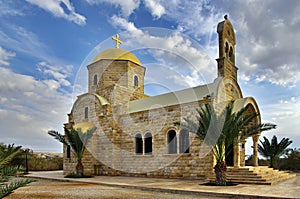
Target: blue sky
(43,45)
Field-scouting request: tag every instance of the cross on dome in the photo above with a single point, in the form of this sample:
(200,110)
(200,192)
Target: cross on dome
(117,40)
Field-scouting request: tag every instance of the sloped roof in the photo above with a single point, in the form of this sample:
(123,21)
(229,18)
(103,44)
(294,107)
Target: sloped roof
(174,98)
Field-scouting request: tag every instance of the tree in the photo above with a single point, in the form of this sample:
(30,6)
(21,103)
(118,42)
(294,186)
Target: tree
(222,131)
(291,160)
(272,151)
(78,141)
(7,154)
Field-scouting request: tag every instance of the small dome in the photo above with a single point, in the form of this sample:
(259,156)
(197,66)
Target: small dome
(117,54)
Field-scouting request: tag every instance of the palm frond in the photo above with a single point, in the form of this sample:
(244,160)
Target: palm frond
(224,129)
(273,150)
(6,156)
(58,136)
(8,188)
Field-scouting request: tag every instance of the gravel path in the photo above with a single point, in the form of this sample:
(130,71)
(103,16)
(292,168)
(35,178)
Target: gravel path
(57,189)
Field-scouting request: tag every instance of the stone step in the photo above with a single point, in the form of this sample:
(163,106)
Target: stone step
(256,175)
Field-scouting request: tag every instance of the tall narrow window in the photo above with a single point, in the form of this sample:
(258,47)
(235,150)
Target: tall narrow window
(184,142)
(226,49)
(148,144)
(95,81)
(138,144)
(230,52)
(172,142)
(68,151)
(86,112)
(136,81)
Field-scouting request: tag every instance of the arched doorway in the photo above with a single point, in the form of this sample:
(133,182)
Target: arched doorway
(235,154)
(229,155)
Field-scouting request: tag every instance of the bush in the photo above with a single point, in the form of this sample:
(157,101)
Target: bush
(40,162)
(291,161)
(45,164)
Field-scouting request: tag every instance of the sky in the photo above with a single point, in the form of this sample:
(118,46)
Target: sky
(46,45)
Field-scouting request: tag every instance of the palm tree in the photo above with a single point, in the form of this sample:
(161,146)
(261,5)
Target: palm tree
(222,131)
(273,150)
(7,154)
(78,141)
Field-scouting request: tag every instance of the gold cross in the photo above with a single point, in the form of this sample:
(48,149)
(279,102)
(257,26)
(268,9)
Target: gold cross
(118,41)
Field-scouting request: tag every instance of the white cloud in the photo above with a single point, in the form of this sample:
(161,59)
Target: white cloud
(5,56)
(10,8)
(170,48)
(57,72)
(267,40)
(286,114)
(198,18)
(57,8)
(157,10)
(266,32)
(29,108)
(127,7)
(20,40)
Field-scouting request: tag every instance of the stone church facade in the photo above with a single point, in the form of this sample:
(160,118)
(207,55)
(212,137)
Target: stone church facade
(136,135)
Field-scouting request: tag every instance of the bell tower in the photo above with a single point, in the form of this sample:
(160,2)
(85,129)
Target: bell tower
(226,60)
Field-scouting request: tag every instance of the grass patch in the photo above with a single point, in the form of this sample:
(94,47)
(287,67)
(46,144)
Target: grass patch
(74,175)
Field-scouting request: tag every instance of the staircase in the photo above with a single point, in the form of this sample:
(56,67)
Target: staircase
(257,175)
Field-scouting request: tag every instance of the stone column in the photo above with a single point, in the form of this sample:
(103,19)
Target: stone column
(143,145)
(243,146)
(177,142)
(236,155)
(255,150)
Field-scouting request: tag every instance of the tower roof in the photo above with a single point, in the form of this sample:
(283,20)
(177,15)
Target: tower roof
(117,54)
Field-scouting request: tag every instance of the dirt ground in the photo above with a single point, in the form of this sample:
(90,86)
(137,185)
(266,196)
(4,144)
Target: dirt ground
(57,189)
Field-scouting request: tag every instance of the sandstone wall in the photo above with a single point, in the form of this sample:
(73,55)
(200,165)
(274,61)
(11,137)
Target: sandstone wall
(111,151)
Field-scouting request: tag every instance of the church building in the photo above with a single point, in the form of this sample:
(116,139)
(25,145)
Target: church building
(136,134)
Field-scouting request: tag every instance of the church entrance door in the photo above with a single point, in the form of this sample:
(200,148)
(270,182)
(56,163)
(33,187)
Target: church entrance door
(229,155)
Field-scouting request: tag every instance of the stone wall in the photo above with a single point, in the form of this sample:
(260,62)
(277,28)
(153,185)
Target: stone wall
(118,73)
(111,151)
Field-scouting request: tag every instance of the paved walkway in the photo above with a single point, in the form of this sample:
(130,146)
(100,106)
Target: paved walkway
(287,189)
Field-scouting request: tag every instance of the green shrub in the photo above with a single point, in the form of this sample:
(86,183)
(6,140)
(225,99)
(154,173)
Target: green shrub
(11,170)
(37,162)
(45,164)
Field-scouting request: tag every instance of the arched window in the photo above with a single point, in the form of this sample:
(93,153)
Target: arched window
(148,144)
(86,112)
(184,141)
(138,144)
(136,81)
(95,81)
(172,142)
(226,48)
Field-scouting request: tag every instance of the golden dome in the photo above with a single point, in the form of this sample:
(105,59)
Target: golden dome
(117,54)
